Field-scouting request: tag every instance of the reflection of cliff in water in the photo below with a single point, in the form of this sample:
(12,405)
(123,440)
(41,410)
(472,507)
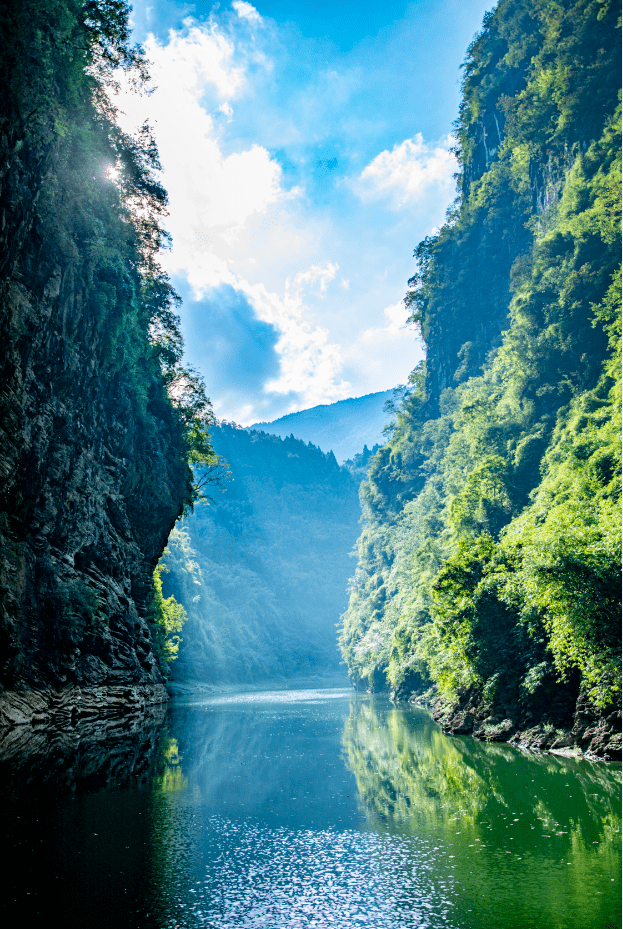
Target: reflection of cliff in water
(492,806)
(77,820)
(86,754)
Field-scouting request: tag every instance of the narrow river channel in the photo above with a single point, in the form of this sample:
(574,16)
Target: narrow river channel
(300,809)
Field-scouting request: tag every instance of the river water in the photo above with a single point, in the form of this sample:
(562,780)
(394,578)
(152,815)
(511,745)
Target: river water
(300,809)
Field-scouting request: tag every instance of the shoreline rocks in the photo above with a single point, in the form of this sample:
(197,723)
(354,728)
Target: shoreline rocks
(595,733)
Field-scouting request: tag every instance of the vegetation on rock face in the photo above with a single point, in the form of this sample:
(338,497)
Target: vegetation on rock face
(100,420)
(490,559)
(169,617)
(262,571)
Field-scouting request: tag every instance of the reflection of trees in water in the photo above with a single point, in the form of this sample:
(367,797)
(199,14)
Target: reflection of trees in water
(170,777)
(403,768)
(408,772)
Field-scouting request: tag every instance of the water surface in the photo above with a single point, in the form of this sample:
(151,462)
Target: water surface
(308,809)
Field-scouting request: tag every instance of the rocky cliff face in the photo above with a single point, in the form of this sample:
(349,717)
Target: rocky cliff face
(82,528)
(471,269)
(92,454)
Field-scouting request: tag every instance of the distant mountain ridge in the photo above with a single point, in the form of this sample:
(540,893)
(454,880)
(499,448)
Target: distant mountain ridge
(343,427)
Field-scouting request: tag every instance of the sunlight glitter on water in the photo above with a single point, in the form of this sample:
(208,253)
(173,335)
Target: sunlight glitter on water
(273,696)
(277,879)
(308,809)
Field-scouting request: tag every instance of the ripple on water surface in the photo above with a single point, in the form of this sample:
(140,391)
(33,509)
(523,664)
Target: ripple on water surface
(304,809)
(282,880)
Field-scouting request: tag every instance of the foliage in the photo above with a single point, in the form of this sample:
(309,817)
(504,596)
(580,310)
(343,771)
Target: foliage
(490,554)
(92,361)
(168,615)
(262,568)
(100,196)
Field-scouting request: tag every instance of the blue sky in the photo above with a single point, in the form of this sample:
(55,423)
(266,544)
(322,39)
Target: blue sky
(305,148)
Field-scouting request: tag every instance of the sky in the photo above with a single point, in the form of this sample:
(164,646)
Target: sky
(306,149)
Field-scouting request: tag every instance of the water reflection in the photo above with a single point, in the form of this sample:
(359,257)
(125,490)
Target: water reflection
(304,809)
(270,831)
(170,778)
(530,840)
(86,755)
(76,822)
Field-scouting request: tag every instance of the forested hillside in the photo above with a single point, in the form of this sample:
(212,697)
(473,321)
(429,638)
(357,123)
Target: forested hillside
(262,569)
(489,565)
(99,420)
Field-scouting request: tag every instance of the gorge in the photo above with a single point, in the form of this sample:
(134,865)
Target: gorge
(355,662)
(488,576)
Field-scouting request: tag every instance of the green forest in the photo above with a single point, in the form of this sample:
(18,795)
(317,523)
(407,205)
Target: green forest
(363,670)
(489,563)
(262,567)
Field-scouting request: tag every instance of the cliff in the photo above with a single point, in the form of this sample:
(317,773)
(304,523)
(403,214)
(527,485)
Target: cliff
(93,455)
(490,561)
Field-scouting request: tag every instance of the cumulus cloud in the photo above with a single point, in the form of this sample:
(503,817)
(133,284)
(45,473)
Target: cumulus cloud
(269,243)
(310,363)
(211,195)
(409,172)
(227,341)
(194,57)
(223,208)
(306,279)
(396,328)
(258,353)
(246,11)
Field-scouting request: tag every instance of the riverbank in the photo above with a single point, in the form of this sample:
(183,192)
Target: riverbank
(595,732)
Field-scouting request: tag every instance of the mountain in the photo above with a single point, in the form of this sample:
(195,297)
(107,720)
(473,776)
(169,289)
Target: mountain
(93,453)
(489,566)
(262,570)
(343,427)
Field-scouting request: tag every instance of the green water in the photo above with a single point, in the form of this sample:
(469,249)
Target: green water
(301,809)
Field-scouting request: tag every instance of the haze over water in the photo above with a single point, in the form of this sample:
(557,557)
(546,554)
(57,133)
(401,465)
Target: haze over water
(312,809)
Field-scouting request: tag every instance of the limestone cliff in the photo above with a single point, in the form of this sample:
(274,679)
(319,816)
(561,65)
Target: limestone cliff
(93,456)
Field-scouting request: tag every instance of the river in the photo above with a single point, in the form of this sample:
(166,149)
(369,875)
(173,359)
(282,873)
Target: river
(300,809)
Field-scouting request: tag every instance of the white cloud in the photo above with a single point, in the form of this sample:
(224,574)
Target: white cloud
(306,279)
(310,363)
(234,221)
(246,11)
(387,353)
(206,189)
(408,172)
(225,209)
(395,330)
(197,55)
